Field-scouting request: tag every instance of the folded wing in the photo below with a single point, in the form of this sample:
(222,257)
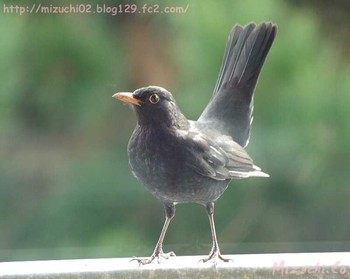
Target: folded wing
(220,159)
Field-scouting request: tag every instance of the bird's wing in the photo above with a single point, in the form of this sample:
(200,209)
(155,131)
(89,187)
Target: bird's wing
(220,159)
(230,109)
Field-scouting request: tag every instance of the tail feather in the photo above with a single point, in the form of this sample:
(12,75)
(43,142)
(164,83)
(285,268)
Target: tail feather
(230,109)
(250,68)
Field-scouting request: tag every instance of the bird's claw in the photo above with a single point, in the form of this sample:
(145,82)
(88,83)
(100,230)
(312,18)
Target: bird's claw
(167,255)
(157,255)
(214,256)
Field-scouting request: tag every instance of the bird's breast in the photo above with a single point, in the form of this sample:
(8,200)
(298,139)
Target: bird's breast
(158,161)
(154,156)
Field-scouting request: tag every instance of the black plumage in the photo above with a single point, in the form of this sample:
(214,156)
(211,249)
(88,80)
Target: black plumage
(179,160)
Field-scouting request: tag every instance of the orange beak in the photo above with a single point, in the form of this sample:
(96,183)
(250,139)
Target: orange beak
(128,98)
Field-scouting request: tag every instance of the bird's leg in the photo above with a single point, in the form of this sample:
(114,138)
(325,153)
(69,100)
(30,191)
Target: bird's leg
(215,250)
(158,250)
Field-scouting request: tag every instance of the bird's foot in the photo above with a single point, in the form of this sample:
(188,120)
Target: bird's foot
(156,254)
(215,255)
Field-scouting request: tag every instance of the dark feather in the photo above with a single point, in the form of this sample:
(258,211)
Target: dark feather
(230,110)
(220,159)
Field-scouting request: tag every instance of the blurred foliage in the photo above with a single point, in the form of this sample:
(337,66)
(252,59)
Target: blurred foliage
(65,189)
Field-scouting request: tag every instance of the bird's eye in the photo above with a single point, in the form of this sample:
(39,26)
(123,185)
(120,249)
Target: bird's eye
(154,99)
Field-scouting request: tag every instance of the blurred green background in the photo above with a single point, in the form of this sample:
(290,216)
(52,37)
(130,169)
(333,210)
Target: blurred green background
(65,187)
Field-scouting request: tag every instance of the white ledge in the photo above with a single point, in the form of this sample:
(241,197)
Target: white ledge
(292,265)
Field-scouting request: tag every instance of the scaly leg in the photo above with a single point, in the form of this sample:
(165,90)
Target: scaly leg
(215,250)
(158,251)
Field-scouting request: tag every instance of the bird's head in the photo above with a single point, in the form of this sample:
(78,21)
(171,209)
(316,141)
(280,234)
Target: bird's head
(154,105)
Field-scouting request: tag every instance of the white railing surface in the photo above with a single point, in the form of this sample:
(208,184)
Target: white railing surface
(292,265)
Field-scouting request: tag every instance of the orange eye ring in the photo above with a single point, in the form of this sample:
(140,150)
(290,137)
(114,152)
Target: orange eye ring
(154,99)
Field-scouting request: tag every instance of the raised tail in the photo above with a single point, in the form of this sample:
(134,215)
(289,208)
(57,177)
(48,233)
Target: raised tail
(230,110)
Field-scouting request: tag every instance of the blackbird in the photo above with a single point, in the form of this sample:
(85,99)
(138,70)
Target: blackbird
(181,161)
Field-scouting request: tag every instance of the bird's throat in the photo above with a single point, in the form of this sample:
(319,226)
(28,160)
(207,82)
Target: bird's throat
(162,119)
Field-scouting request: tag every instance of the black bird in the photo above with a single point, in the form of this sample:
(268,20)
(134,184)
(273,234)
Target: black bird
(180,160)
